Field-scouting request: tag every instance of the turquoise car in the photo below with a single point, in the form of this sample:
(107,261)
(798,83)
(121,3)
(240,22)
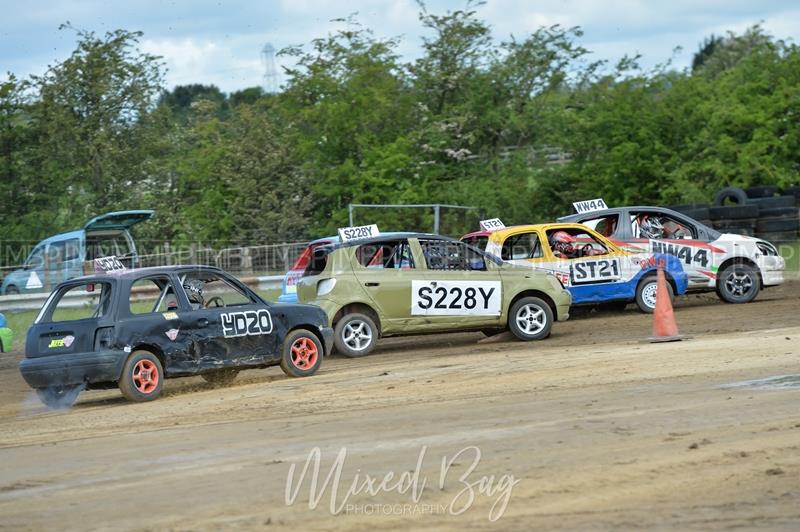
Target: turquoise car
(6,336)
(65,254)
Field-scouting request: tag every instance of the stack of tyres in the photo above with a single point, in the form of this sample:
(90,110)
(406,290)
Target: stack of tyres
(758,211)
(698,211)
(738,219)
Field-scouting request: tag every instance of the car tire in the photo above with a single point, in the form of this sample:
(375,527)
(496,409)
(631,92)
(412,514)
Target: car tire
(779,225)
(530,318)
(646,293)
(220,377)
(142,377)
(761,191)
(355,335)
(743,291)
(773,203)
(301,354)
(735,212)
(59,397)
(12,290)
(736,195)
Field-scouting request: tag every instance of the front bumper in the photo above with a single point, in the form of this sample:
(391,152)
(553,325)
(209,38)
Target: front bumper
(73,368)
(327,340)
(563,302)
(772,269)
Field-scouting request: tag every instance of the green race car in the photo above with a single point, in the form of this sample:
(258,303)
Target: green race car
(410,283)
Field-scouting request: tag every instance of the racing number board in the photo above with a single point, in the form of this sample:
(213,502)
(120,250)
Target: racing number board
(595,270)
(456,298)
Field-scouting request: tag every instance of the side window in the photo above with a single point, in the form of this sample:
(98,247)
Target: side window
(448,255)
(522,246)
(55,252)
(81,302)
(36,259)
(153,294)
(479,241)
(72,249)
(605,225)
(394,255)
(574,243)
(210,290)
(647,225)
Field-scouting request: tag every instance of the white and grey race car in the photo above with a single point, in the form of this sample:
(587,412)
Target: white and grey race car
(736,266)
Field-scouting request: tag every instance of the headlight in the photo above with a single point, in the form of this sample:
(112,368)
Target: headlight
(324,287)
(767,249)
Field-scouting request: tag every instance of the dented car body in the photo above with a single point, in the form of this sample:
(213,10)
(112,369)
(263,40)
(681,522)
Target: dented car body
(172,322)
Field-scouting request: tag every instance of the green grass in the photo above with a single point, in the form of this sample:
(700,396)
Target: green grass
(791,252)
(19,322)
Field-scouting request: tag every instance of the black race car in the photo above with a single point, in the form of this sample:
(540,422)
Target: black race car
(134,328)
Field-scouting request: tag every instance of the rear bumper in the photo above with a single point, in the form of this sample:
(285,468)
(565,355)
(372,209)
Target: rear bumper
(73,368)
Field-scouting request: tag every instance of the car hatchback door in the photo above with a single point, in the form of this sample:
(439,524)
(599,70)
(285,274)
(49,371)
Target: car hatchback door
(457,289)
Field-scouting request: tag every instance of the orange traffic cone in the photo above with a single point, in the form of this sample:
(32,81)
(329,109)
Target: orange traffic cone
(665,329)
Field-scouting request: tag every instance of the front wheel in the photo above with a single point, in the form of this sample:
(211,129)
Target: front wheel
(301,353)
(59,397)
(355,335)
(646,294)
(142,377)
(738,283)
(530,318)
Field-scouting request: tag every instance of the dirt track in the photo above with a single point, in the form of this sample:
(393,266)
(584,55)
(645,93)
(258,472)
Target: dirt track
(600,430)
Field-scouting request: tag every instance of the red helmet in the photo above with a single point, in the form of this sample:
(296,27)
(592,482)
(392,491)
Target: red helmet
(563,237)
(562,242)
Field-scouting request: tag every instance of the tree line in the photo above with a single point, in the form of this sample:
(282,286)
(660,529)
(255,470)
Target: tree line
(520,128)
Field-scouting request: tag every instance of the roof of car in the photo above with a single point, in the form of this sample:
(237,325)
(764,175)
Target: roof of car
(615,210)
(391,236)
(137,273)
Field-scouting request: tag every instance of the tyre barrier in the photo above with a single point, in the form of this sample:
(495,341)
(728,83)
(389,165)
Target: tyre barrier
(733,212)
(762,191)
(754,211)
(735,195)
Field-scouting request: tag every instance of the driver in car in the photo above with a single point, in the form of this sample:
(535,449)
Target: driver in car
(194,292)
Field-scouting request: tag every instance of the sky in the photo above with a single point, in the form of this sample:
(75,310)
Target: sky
(220,42)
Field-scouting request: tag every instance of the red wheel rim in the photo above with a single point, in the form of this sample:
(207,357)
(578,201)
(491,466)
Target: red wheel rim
(304,353)
(145,376)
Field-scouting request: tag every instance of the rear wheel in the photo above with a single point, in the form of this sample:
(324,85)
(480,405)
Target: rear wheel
(142,377)
(59,397)
(738,283)
(301,353)
(355,335)
(530,318)
(646,294)
(220,377)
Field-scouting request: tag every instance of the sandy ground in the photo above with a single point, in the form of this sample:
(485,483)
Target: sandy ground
(590,429)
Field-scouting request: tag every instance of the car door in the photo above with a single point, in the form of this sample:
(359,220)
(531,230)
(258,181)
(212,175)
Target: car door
(660,232)
(386,270)
(231,325)
(593,270)
(456,289)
